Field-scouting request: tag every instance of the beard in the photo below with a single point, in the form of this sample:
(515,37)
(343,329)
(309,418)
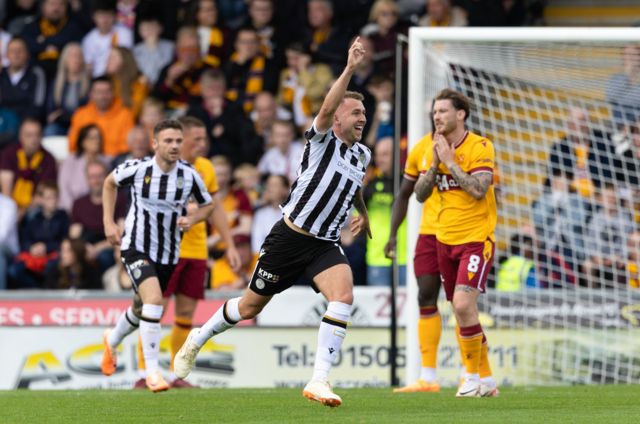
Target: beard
(447,128)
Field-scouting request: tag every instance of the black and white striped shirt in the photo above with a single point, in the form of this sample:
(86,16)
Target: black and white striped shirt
(328,177)
(157,200)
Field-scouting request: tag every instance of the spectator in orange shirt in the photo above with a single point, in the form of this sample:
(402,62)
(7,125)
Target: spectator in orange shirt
(108,113)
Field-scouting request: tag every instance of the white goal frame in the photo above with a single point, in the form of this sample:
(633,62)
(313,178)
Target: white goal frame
(418,121)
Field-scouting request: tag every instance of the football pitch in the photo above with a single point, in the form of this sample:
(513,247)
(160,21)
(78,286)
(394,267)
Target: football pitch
(577,404)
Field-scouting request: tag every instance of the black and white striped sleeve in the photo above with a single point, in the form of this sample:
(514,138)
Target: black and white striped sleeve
(126,172)
(199,191)
(312,135)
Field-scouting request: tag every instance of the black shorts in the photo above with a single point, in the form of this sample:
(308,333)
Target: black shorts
(140,267)
(287,255)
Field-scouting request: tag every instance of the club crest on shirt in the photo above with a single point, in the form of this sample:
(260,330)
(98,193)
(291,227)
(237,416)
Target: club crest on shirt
(147,179)
(180,182)
(362,158)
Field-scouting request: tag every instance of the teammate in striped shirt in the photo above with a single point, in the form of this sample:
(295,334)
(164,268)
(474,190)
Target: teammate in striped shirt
(161,187)
(189,278)
(306,240)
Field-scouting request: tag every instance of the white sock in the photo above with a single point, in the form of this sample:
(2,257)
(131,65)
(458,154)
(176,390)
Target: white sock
(330,337)
(488,381)
(428,374)
(472,377)
(127,323)
(150,332)
(222,320)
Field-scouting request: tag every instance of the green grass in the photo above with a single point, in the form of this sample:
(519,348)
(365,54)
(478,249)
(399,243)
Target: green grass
(580,404)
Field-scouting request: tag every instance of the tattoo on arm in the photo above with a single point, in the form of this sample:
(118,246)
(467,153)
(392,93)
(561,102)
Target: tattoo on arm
(466,289)
(475,185)
(424,185)
(358,203)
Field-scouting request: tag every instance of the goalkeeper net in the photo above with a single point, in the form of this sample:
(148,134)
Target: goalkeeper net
(561,106)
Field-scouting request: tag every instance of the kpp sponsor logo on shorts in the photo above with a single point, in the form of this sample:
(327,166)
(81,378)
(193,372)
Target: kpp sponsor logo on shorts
(268,276)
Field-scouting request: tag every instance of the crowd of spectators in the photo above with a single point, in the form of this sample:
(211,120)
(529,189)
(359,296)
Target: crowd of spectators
(586,222)
(97,75)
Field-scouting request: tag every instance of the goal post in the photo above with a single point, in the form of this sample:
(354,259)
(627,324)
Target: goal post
(531,88)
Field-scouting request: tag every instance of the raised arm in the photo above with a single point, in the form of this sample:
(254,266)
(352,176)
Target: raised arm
(324,120)
(424,185)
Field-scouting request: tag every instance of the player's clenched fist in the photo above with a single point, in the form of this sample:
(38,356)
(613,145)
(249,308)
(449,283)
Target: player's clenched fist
(356,53)
(112,233)
(184,223)
(359,224)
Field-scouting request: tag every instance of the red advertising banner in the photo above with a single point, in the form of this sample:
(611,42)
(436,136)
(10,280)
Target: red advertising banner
(86,312)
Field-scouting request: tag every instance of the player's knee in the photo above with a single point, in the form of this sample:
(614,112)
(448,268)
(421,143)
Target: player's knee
(428,290)
(463,307)
(428,295)
(345,296)
(185,309)
(153,298)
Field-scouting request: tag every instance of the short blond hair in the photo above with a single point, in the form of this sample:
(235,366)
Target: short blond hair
(353,95)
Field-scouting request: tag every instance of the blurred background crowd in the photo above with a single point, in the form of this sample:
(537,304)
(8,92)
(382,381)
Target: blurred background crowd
(83,82)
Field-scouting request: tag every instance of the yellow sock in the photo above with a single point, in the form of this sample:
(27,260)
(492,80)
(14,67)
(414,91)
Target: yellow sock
(141,365)
(485,366)
(462,360)
(429,331)
(471,347)
(179,334)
